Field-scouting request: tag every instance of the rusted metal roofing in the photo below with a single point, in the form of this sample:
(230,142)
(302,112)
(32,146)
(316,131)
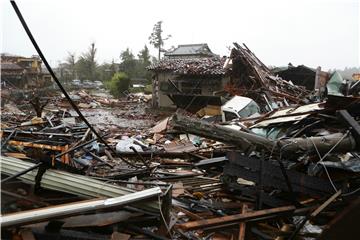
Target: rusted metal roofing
(190,66)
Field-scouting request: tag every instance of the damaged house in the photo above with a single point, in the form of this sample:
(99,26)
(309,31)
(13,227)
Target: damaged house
(188,77)
(302,75)
(23,72)
(250,77)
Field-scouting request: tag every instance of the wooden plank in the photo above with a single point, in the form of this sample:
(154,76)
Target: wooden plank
(242,225)
(233,219)
(314,214)
(36,145)
(191,215)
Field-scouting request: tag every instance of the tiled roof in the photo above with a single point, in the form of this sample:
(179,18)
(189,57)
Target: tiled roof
(190,66)
(191,49)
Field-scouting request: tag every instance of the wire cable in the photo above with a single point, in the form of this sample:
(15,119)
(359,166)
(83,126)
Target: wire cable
(326,171)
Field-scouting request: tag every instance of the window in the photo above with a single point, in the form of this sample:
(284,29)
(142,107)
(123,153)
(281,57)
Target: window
(230,116)
(249,110)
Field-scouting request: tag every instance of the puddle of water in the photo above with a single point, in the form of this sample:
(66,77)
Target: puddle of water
(133,116)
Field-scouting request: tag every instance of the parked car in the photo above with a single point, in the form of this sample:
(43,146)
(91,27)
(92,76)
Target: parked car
(98,83)
(87,82)
(76,82)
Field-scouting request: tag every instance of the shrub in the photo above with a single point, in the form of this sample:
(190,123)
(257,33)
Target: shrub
(119,83)
(148,89)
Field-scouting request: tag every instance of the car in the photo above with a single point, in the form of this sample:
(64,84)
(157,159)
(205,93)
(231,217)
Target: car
(76,82)
(98,83)
(87,82)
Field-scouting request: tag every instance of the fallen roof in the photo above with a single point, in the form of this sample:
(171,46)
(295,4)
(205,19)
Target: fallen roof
(190,66)
(249,76)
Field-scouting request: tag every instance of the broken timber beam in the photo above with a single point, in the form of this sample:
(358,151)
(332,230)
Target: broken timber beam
(220,133)
(242,225)
(235,219)
(37,145)
(344,142)
(336,142)
(314,214)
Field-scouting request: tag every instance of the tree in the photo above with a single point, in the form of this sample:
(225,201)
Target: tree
(70,62)
(156,38)
(128,63)
(144,56)
(119,83)
(143,62)
(86,65)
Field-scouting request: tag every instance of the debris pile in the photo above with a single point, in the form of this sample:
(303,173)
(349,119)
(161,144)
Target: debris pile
(284,165)
(251,78)
(290,172)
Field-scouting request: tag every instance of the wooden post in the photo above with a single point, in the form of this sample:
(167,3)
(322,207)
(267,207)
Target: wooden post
(242,225)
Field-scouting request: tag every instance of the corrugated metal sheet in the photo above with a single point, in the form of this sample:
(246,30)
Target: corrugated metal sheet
(66,182)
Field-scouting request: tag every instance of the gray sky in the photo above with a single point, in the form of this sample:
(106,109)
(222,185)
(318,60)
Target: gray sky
(315,33)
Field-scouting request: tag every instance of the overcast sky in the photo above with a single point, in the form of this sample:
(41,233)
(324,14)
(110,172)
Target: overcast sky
(315,33)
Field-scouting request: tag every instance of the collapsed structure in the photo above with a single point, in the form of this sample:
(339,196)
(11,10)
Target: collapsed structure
(22,72)
(251,78)
(289,171)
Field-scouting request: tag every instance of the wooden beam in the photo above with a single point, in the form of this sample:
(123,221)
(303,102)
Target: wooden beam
(36,145)
(234,219)
(242,225)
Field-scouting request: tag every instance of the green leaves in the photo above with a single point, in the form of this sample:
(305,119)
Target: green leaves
(119,83)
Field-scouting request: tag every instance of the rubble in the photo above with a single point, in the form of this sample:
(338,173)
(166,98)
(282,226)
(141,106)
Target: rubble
(224,182)
(290,171)
(251,78)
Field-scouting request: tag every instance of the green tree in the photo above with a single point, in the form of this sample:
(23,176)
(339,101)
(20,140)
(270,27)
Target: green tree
(104,72)
(119,83)
(156,38)
(144,56)
(143,62)
(82,69)
(71,62)
(128,63)
(113,67)
(86,65)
